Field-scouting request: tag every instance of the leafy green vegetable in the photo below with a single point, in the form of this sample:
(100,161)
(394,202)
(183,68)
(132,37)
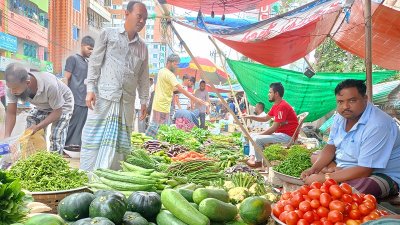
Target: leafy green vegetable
(45,171)
(174,135)
(275,152)
(12,207)
(200,134)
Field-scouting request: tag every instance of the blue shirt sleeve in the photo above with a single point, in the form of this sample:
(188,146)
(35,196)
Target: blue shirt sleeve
(376,148)
(334,130)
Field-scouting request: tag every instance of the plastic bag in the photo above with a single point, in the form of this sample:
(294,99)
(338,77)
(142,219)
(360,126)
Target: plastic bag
(21,147)
(30,144)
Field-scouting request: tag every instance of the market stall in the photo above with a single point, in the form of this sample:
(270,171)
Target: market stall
(179,178)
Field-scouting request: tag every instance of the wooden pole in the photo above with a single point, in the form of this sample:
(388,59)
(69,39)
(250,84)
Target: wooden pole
(247,105)
(368,47)
(245,131)
(204,77)
(220,53)
(224,103)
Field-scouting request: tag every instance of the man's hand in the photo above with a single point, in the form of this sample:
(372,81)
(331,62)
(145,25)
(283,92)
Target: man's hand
(90,100)
(32,129)
(203,102)
(143,112)
(330,169)
(308,172)
(245,116)
(314,177)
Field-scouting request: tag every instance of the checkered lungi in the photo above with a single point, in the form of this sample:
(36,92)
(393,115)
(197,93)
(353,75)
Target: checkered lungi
(59,128)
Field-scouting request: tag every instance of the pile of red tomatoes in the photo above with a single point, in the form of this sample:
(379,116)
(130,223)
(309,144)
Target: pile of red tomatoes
(326,204)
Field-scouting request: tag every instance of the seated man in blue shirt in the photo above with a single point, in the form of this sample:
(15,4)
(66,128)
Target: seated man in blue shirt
(363,148)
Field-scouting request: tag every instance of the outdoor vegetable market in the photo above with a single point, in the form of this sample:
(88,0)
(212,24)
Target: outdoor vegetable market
(294,119)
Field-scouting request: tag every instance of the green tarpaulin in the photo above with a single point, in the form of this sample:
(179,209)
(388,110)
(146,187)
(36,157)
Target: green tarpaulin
(314,95)
(42,4)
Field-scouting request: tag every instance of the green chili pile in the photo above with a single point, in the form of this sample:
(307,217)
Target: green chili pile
(45,171)
(295,163)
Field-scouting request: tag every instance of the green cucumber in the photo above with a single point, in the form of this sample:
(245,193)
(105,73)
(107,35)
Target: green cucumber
(172,183)
(195,205)
(217,210)
(165,217)
(122,186)
(203,193)
(156,174)
(160,186)
(186,193)
(182,209)
(190,186)
(181,180)
(127,179)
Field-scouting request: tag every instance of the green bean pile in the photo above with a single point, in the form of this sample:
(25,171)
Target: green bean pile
(196,171)
(45,171)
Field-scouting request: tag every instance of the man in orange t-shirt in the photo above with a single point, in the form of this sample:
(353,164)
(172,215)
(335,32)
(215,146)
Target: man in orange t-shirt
(283,127)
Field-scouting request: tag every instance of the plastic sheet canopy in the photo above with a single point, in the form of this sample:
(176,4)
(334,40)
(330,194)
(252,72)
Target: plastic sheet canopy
(314,95)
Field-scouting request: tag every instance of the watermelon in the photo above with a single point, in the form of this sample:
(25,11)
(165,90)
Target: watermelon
(255,210)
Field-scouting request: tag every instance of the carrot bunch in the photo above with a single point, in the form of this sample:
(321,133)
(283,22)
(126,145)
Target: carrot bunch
(189,156)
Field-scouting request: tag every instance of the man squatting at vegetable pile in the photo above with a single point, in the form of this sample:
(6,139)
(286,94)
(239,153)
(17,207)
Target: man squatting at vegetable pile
(363,147)
(53,100)
(283,128)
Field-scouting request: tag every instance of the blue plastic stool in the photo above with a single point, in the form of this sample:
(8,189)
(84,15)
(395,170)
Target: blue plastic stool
(246,149)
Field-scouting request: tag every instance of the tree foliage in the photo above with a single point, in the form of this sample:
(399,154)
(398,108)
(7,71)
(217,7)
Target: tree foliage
(331,58)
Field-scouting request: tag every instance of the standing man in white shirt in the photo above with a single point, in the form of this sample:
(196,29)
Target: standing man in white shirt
(181,101)
(118,67)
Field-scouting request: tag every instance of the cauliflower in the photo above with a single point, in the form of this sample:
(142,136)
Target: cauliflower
(253,189)
(270,197)
(238,194)
(228,185)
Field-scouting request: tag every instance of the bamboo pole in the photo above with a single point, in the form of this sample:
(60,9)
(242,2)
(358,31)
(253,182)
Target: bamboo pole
(368,47)
(247,105)
(229,81)
(257,148)
(247,134)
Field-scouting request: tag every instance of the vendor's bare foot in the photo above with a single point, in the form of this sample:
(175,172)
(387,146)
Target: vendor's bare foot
(254,164)
(252,159)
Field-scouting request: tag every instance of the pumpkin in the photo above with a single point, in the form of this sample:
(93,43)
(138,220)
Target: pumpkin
(96,220)
(75,206)
(148,204)
(100,193)
(134,218)
(110,207)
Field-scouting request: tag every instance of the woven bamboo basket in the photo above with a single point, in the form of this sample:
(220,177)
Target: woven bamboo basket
(52,198)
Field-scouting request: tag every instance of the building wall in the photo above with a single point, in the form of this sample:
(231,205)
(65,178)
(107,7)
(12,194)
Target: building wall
(2,7)
(27,29)
(24,36)
(63,18)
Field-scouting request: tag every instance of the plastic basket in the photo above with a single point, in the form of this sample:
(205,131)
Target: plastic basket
(52,198)
(289,179)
